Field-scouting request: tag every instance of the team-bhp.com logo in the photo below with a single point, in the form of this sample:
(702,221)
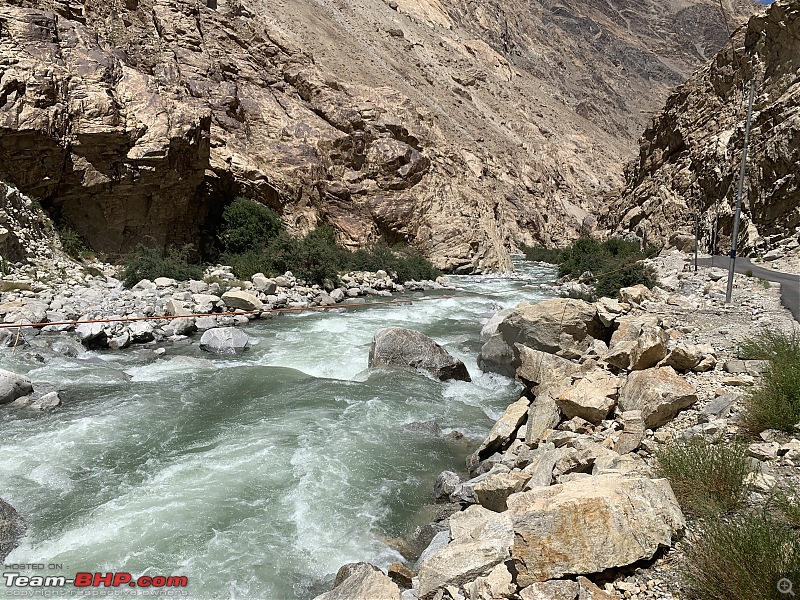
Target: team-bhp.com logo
(96,580)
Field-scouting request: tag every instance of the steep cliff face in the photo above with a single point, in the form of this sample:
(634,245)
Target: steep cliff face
(459,126)
(690,155)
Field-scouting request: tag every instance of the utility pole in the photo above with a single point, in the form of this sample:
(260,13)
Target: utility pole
(742,173)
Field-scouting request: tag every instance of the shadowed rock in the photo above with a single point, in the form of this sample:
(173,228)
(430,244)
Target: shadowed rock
(412,350)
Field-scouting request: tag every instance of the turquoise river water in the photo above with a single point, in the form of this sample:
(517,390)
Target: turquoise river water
(255,476)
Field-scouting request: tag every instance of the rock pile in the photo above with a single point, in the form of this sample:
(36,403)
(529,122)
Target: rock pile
(96,297)
(562,489)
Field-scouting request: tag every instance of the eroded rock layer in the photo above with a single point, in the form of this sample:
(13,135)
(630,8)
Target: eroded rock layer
(462,127)
(690,155)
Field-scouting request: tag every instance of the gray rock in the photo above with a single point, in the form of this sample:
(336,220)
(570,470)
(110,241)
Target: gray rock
(46,402)
(141,332)
(263,284)
(205,323)
(337,295)
(183,326)
(559,589)
(439,541)
(89,332)
(12,528)
(482,539)
(445,485)
(408,349)
(721,405)
(13,386)
(496,356)
(224,340)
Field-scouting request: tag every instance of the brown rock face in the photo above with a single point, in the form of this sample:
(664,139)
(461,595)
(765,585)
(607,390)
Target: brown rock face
(462,128)
(690,154)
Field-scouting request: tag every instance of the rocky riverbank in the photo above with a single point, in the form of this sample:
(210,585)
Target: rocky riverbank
(563,499)
(94,293)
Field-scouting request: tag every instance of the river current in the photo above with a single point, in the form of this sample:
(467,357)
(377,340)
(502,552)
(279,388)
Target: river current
(256,476)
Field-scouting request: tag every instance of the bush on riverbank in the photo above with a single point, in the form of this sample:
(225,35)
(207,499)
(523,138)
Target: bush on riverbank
(776,403)
(150,263)
(255,241)
(742,558)
(708,477)
(611,264)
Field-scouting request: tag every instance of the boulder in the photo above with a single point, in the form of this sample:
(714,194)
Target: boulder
(635,294)
(481,540)
(591,398)
(541,370)
(439,541)
(263,284)
(504,430)
(337,295)
(558,589)
(683,357)
(497,357)
(141,332)
(650,349)
(224,340)
(632,432)
(13,386)
(589,525)
(362,581)
(183,326)
(493,491)
(491,326)
(408,349)
(176,308)
(241,300)
(12,528)
(46,402)
(445,485)
(659,393)
(608,310)
(497,584)
(90,333)
(401,575)
(561,326)
(543,414)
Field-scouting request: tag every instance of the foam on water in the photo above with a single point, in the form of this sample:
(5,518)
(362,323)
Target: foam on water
(256,476)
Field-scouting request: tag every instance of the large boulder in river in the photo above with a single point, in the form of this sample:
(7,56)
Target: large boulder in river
(13,386)
(409,349)
(12,528)
(224,340)
(590,524)
(561,326)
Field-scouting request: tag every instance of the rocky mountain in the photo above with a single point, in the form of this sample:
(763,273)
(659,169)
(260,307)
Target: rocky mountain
(690,155)
(460,126)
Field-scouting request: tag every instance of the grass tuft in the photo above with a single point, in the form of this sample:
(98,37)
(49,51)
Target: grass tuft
(742,558)
(707,476)
(775,404)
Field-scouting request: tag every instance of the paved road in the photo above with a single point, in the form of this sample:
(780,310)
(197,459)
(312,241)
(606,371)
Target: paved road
(790,284)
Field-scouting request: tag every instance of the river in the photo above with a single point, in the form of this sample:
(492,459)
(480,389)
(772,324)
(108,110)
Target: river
(255,476)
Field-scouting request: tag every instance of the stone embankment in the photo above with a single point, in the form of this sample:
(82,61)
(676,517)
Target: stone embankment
(563,499)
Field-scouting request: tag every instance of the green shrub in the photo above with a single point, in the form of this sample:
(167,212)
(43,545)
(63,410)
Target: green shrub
(742,558)
(248,225)
(748,273)
(788,505)
(72,243)
(613,263)
(775,404)
(149,263)
(706,476)
(541,254)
